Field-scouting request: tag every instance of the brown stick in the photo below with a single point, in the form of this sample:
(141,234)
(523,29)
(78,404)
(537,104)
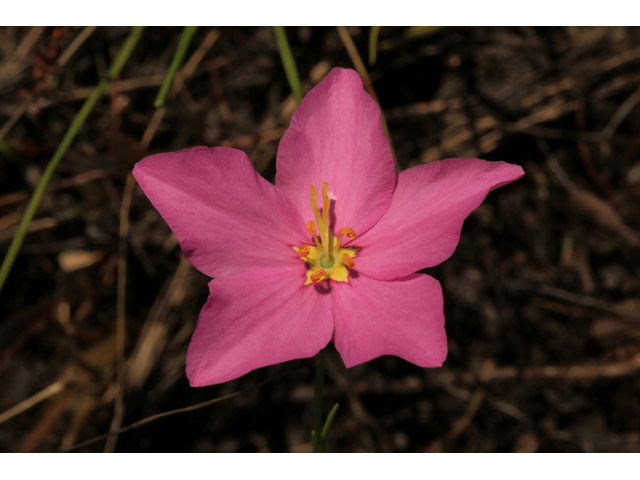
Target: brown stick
(121,311)
(153,418)
(622,368)
(368,86)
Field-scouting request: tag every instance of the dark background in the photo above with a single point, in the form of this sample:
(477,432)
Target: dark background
(542,295)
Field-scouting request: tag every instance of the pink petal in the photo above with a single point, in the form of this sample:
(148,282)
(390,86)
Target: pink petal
(254,319)
(227,218)
(336,137)
(402,317)
(422,226)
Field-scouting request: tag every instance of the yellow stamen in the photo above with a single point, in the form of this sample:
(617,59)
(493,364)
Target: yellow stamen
(324,229)
(327,259)
(326,203)
(317,276)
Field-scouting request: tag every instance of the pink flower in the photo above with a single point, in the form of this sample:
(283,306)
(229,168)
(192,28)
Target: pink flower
(289,276)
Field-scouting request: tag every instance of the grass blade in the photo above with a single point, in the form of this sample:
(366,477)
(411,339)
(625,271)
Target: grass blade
(327,427)
(181,52)
(289,63)
(78,121)
(373,44)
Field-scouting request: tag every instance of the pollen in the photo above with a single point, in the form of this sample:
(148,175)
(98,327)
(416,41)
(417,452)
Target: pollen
(328,259)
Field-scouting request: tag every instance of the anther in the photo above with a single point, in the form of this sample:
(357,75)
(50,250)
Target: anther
(311,228)
(326,203)
(304,250)
(348,261)
(349,232)
(317,276)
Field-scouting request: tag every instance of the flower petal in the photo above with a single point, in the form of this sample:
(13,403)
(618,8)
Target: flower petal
(422,226)
(254,319)
(336,137)
(402,317)
(227,218)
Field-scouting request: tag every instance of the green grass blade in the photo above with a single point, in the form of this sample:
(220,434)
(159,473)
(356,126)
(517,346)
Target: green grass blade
(183,46)
(373,44)
(327,427)
(118,63)
(289,63)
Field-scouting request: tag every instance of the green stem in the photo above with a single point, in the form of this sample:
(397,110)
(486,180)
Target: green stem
(23,227)
(373,44)
(183,46)
(288,63)
(316,435)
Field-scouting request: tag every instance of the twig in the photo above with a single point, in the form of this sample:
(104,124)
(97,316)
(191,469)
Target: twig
(587,301)
(584,153)
(195,60)
(598,209)
(76,180)
(22,51)
(475,402)
(83,93)
(555,167)
(546,132)
(368,86)
(42,395)
(584,300)
(75,45)
(463,422)
(621,114)
(15,116)
(153,335)
(153,418)
(622,368)
(121,312)
(151,129)
(26,45)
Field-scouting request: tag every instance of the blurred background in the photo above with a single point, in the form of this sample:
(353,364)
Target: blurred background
(542,295)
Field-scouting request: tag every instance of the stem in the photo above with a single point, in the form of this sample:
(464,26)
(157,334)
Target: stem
(23,227)
(289,63)
(316,435)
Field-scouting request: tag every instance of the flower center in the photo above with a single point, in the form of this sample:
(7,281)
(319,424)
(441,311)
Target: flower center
(327,260)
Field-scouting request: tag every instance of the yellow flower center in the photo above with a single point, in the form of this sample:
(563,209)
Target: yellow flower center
(328,260)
